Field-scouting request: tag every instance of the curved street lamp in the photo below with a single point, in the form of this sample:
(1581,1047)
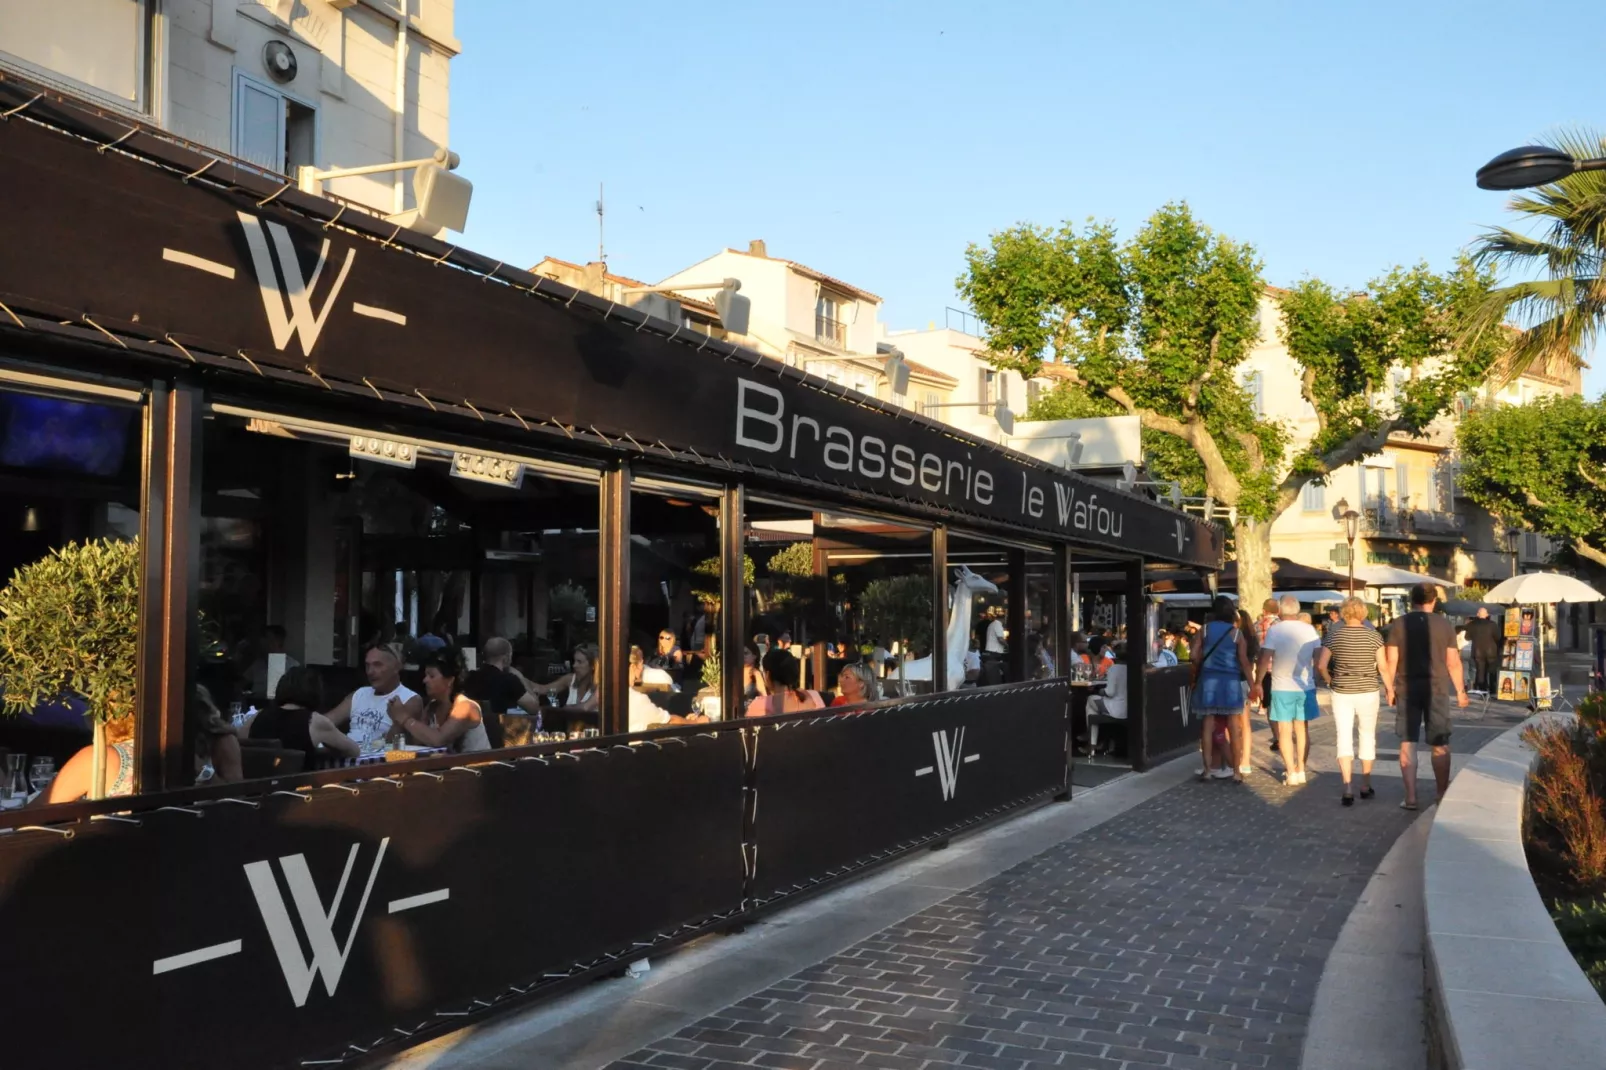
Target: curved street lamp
(1532,165)
(1352,523)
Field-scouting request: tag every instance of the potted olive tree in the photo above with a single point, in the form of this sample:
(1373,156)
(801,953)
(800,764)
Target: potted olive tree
(69,627)
(899,608)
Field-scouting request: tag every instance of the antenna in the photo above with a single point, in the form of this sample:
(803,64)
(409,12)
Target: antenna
(602,250)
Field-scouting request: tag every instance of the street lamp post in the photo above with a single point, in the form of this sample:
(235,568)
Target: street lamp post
(1352,524)
(1533,165)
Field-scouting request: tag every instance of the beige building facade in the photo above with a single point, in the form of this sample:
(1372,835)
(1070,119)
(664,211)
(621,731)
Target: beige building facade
(276,83)
(1413,514)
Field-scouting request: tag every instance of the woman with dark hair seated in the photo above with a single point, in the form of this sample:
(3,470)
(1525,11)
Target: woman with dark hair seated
(293,719)
(783,675)
(450,718)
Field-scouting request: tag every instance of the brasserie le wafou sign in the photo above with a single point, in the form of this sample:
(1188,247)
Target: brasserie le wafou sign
(132,244)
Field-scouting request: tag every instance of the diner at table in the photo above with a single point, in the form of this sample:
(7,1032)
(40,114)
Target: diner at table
(449,718)
(368,714)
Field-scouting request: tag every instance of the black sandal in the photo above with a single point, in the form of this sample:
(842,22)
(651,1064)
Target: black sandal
(1367,793)
(1348,799)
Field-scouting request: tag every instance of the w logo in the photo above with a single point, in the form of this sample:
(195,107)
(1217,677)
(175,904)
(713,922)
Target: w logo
(328,955)
(950,750)
(1182,704)
(286,296)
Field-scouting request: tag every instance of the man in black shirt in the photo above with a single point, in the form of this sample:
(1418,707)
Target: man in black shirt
(1484,635)
(499,688)
(1424,661)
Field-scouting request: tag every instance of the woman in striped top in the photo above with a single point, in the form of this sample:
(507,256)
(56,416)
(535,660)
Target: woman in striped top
(1351,663)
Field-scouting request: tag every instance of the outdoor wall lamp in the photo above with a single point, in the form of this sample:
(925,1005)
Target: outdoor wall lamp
(894,370)
(1532,165)
(442,196)
(732,310)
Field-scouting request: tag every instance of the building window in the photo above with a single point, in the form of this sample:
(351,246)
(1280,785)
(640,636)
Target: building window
(861,383)
(1530,546)
(1255,386)
(1034,390)
(1314,499)
(985,378)
(928,407)
(99,46)
(271,130)
(828,325)
(1402,486)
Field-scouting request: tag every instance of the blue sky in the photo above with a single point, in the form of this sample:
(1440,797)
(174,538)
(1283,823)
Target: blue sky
(874,140)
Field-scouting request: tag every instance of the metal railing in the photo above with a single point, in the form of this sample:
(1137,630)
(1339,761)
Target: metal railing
(1383,517)
(831,330)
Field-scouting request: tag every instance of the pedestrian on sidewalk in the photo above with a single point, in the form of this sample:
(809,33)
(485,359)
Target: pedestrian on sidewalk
(1288,654)
(1485,635)
(1221,672)
(1350,662)
(1242,728)
(1423,661)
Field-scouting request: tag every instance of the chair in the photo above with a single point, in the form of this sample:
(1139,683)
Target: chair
(258,763)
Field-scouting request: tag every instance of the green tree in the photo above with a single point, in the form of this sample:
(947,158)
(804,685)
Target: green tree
(69,626)
(1388,361)
(1542,465)
(1553,289)
(1157,328)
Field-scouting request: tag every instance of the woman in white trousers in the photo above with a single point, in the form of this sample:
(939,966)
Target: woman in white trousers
(1351,663)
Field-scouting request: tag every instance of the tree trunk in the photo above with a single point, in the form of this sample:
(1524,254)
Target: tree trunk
(97,762)
(1253,540)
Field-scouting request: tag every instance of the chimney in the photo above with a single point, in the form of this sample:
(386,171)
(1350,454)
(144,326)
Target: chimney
(593,277)
(756,248)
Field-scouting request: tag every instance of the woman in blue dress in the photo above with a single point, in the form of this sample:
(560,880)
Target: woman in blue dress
(1220,674)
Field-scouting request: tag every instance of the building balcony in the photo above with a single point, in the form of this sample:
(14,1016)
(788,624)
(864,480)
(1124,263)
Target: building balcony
(1386,520)
(831,331)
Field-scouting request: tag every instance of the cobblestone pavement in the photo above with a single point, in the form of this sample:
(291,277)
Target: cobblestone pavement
(1190,932)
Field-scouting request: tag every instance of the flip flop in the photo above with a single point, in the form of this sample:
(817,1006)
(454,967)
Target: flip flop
(1367,793)
(1407,805)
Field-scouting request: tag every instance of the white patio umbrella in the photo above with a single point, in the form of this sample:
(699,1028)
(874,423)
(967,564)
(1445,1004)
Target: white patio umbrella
(1543,589)
(1389,576)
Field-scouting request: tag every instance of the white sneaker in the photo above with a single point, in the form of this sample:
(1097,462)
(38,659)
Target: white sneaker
(1293,780)
(1222,774)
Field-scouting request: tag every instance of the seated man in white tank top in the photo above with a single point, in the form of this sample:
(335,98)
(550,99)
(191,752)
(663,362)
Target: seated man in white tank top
(371,713)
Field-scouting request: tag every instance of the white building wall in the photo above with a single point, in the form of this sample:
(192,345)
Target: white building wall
(346,70)
(961,356)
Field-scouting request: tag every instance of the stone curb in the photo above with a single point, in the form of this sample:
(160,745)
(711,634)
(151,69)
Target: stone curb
(1502,989)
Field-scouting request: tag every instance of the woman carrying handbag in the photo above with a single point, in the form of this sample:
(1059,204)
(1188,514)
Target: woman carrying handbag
(1220,667)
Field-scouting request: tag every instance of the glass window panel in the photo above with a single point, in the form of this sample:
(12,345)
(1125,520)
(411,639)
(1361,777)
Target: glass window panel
(96,43)
(313,555)
(70,474)
(841,594)
(673,620)
(259,125)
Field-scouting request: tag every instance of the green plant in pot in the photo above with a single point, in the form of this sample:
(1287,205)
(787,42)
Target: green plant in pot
(899,608)
(69,627)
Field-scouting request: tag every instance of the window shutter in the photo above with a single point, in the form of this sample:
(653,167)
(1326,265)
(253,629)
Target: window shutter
(981,391)
(1033,390)
(1003,390)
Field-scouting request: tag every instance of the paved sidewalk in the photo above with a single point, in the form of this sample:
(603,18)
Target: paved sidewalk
(1190,931)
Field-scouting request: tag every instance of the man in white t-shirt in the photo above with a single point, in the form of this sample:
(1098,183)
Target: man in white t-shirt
(1287,655)
(369,713)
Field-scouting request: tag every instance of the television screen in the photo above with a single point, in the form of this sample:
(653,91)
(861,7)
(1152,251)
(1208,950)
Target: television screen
(63,436)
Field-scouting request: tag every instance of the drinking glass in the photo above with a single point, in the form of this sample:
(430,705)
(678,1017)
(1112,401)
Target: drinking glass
(42,772)
(13,785)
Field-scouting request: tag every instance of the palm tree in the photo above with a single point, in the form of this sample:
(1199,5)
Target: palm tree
(1554,293)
